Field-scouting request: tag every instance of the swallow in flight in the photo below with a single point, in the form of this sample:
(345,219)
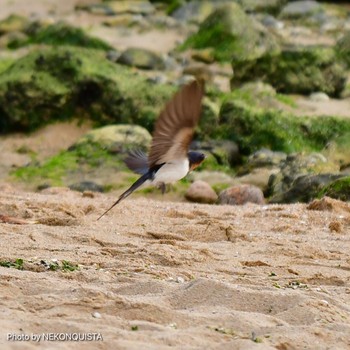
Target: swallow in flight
(169,158)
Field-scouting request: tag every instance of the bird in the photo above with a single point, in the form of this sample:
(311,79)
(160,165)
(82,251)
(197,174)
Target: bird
(169,158)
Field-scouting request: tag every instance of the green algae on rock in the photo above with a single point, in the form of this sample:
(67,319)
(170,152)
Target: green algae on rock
(338,189)
(118,138)
(75,164)
(233,35)
(301,70)
(254,128)
(141,58)
(64,82)
(63,34)
(13,23)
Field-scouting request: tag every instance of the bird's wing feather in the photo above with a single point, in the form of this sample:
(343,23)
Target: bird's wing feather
(137,161)
(175,126)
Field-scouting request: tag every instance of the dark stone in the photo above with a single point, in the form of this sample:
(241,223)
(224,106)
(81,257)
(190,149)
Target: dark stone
(86,186)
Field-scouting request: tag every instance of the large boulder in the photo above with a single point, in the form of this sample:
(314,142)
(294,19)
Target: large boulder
(305,188)
(233,35)
(301,178)
(59,83)
(295,69)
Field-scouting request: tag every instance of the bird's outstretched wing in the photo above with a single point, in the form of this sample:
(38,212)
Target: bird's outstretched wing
(175,125)
(137,161)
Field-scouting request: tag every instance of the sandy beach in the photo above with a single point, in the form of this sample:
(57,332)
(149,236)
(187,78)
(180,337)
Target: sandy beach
(158,275)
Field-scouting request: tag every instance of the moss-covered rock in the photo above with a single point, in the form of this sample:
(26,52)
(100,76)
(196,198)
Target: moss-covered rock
(83,162)
(64,82)
(338,189)
(118,138)
(295,70)
(304,188)
(254,128)
(62,34)
(13,23)
(232,34)
(295,166)
(141,58)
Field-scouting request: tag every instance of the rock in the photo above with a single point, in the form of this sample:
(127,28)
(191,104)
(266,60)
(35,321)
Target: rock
(338,189)
(216,179)
(143,7)
(298,9)
(118,138)
(233,35)
(258,177)
(271,22)
(86,186)
(13,40)
(300,70)
(13,23)
(141,58)
(194,11)
(304,188)
(298,170)
(64,34)
(223,152)
(241,194)
(269,6)
(53,84)
(258,89)
(203,55)
(319,97)
(201,192)
(265,158)
(199,71)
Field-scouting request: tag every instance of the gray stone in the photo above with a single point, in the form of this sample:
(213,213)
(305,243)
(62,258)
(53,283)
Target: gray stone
(86,186)
(194,11)
(298,9)
(141,58)
(242,194)
(319,97)
(143,7)
(201,192)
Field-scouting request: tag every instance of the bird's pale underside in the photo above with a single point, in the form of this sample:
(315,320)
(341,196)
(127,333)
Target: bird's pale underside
(169,159)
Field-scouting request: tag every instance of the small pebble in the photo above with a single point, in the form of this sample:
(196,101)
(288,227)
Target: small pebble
(96,315)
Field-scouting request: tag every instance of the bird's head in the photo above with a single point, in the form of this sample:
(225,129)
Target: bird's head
(195,159)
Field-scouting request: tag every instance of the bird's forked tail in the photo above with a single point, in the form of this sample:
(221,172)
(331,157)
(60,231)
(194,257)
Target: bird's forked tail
(130,190)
